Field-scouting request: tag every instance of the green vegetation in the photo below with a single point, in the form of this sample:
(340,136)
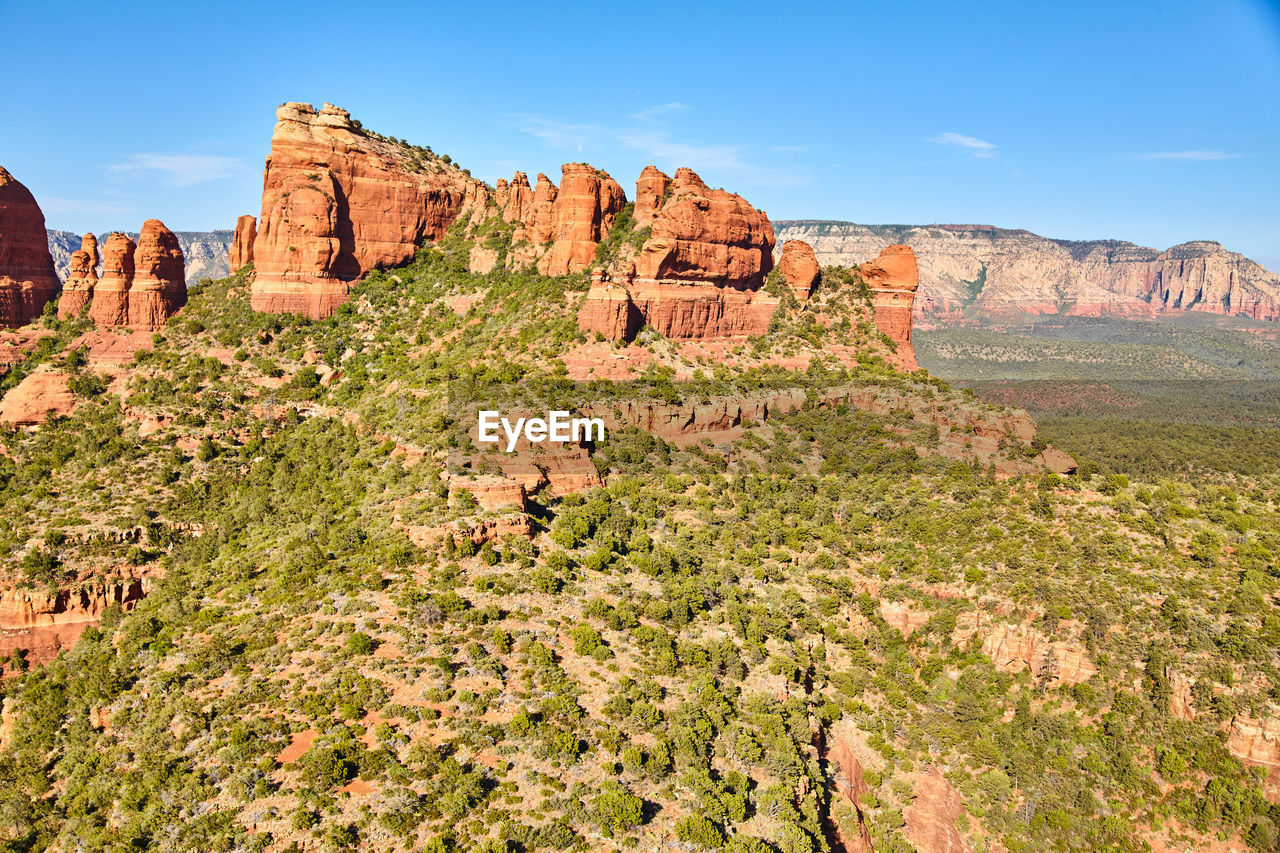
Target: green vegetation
(334,652)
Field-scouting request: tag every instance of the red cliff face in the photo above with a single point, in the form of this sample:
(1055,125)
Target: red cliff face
(27,278)
(160,284)
(241,253)
(110,306)
(893,278)
(338,202)
(799,268)
(699,272)
(587,203)
(77,290)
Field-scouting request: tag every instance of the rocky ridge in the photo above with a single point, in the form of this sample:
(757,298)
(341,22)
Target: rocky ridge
(142,284)
(979,273)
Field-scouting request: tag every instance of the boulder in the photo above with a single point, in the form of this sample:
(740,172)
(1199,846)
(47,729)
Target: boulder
(77,290)
(27,277)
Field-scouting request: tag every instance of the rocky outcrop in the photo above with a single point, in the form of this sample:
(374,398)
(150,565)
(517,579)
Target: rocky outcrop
(36,397)
(77,290)
(587,203)
(698,274)
(110,306)
(893,277)
(27,279)
(490,491)
(45,621)
(241,253)
(1255,740)
(799,268)
(338,201)
(1018,648)
(931,817)
(143,283)
(979,273)
(159,285)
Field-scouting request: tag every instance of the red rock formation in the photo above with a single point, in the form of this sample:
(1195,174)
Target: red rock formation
(893,278)
(931,817)
(27,277)
(46,621)
(77,290)
(651,189)
(110,306)
(799,268)
(516,199)
(586,205)
(699,272)
(241,253)
(1255,741)
(706,236)
(337,202)
(35,398)
(159,286)
(490,491)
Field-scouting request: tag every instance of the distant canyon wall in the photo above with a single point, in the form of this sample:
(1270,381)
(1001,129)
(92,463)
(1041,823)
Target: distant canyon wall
(976,273)
(205,252)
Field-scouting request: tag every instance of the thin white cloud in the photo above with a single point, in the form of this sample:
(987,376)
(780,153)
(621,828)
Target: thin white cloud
(644,132)
(658,145)
(659,110)
(972,144)
(1187,155)
(180,170)
(68,205)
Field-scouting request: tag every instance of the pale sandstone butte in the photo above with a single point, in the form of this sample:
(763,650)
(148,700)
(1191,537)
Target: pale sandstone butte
(27,277)
(77,290)
(799,268)
(1004,274)
(893,278)
(241,252)
(1255,740)
(110,305)
(587,203)
(338,202)
(697,275)
(159,286)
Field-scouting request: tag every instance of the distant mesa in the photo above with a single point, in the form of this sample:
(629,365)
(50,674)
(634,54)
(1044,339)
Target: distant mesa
(979,274)
(27,277)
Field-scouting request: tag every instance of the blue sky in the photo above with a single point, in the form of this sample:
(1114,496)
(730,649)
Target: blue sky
(1151,122)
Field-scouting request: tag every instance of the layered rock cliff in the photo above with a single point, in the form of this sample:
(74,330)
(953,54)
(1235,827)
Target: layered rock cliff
(893,277)
(45,621)
(27,279)
(976,273)
(338,201)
